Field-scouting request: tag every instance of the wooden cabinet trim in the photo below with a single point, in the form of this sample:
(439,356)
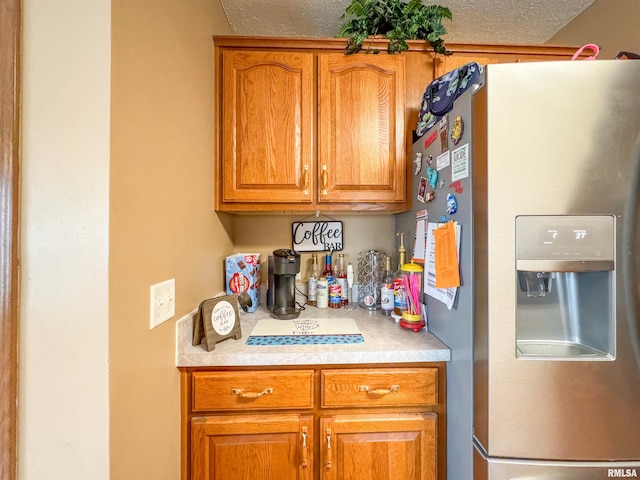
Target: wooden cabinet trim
(339,44)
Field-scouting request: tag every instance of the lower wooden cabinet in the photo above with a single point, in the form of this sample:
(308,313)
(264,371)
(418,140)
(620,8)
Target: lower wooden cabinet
(273,447)
(378,447)
(346,423)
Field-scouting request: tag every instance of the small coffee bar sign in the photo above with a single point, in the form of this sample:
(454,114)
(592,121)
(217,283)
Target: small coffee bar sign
(319,236)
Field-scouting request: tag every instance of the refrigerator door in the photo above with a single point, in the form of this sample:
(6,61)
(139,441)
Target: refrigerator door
(556,139)
(453,327)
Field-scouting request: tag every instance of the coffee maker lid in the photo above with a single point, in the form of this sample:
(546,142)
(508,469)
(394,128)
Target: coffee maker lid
(285,252)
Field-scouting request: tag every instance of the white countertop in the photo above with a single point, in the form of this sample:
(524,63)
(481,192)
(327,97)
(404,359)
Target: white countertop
(384,342)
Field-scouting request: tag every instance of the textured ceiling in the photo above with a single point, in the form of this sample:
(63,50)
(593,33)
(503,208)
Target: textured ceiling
(476,21)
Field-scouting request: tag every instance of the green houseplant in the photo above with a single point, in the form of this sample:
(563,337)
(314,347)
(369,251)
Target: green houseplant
(397,20)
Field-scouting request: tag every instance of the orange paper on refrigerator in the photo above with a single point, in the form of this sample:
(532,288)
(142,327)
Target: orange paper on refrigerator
(446,256)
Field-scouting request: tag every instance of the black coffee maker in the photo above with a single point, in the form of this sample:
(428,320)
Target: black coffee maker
(283,265)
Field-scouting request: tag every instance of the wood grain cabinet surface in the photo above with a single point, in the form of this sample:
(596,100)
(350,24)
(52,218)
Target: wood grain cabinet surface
(379,447)
(492,54)
(252,447)
(348,423)
(379,387)
(301,126)
(272,389)
(361,148)
(266,128)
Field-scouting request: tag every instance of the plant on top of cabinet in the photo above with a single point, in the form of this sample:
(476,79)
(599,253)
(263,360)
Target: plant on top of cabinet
(397,20)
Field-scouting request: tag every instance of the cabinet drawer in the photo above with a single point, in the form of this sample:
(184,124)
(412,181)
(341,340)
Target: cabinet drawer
(269,389)
(379,387)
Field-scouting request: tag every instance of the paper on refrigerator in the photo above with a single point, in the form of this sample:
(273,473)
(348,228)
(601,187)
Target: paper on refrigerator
(445,295)
(420,244)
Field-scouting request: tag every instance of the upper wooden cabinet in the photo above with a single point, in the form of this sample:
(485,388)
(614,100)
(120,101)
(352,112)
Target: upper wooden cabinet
(299,126)
(266,132)
(361,152)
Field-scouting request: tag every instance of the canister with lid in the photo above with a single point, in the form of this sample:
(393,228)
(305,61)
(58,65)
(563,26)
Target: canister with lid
(370,273)
(412,283)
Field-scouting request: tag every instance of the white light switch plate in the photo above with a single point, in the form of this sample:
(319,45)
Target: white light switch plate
(162,305)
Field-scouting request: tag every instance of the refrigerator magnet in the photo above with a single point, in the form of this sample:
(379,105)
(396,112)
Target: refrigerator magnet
(442,130)
(422,188)
(432,176)
(443,160)
(418,163)
(457,186)
(430,139)
(452,204)
(460,163)
(457,130)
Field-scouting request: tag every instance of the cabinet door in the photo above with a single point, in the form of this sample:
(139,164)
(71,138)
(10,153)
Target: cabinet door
(252,447)
(378,447)
(267,126)
(361,135)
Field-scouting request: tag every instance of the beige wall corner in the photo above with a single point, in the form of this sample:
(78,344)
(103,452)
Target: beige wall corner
(162,224)
(613,25)
(264,234)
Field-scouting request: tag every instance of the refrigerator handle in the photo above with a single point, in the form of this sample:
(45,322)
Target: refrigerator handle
(631,264)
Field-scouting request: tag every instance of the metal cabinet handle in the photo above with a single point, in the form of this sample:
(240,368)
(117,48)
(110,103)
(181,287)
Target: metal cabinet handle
(305,454)
(329,453)
(325,179)
(305,180)
(378,391)
(242,394)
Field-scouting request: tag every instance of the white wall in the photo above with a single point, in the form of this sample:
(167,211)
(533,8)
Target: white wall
(63,362)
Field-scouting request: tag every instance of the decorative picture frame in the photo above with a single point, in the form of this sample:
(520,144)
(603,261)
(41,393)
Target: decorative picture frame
(317,236)
(217,319)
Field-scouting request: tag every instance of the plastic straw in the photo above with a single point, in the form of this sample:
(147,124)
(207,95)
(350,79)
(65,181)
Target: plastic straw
(412,299)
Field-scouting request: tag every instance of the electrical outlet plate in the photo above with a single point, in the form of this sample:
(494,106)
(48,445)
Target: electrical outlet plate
(162,302)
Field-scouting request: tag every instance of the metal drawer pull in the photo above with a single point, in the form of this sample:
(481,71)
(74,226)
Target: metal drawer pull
(378,391)
(241,394)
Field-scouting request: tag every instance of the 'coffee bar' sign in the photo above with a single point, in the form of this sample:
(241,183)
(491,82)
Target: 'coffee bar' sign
(319,236)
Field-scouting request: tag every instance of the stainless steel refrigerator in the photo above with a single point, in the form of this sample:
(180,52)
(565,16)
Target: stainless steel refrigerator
(544,381)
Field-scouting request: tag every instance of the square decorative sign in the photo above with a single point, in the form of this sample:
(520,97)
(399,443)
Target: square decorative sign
(217,319)
(319,236)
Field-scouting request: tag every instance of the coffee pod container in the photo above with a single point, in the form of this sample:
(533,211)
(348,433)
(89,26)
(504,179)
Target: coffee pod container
(412,281)
(370,273)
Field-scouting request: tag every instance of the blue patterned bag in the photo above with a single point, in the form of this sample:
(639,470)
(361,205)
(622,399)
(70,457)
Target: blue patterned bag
(440,94)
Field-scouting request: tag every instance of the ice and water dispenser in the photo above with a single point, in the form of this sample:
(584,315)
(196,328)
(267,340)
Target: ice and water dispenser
(565,306)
